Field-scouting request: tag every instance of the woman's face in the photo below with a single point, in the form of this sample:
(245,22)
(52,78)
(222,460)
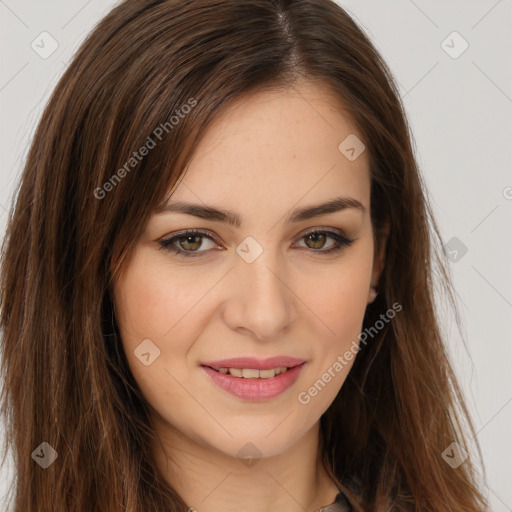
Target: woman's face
(262,288)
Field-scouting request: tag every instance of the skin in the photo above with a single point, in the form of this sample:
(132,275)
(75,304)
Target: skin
(267,154)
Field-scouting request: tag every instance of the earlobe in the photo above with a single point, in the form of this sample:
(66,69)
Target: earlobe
(372,294)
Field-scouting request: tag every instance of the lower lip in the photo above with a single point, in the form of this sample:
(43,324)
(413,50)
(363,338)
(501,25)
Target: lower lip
(255,389)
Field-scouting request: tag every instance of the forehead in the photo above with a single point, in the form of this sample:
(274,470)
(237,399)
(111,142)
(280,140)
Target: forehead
(278,147)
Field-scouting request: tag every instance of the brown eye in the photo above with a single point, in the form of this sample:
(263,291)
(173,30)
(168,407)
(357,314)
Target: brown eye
(317,240)
(190,242)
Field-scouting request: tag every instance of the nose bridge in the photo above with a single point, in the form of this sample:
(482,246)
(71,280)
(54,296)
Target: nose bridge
(264,300)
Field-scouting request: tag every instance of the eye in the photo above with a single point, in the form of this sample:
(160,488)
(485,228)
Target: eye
(188,243)
(316,240)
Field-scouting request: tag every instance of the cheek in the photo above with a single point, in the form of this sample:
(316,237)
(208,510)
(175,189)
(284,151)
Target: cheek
(154,309)
(339,303)
(338,296)
(154,300)
(157,301)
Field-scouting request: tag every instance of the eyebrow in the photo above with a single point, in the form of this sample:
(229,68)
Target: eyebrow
(215,214)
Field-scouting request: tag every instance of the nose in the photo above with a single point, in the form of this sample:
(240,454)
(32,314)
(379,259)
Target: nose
(261,301)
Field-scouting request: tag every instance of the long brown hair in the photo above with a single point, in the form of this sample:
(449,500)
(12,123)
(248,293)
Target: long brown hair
(76,218)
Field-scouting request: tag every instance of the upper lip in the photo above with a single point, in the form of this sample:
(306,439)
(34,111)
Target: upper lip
(254,363)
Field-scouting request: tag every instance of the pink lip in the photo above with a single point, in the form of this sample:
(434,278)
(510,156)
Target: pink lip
(254,389)
(256,364)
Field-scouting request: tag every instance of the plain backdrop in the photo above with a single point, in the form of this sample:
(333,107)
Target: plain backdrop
(452,62)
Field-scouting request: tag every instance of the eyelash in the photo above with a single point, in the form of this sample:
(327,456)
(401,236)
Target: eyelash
(167,244)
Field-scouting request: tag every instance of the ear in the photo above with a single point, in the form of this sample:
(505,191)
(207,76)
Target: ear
(378,261)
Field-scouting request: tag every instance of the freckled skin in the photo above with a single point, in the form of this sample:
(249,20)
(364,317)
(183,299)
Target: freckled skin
(268,154)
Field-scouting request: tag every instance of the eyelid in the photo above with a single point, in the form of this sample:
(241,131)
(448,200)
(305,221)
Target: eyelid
(321,229)
(190,231)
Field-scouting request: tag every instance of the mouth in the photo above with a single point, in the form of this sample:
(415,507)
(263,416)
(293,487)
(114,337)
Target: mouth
(253,384)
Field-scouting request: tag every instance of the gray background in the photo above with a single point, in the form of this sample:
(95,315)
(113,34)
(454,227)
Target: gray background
(460,110)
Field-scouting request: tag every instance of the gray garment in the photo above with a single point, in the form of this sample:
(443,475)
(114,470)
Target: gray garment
(340,504)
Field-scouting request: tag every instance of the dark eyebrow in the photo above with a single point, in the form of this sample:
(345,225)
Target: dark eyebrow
(215,214)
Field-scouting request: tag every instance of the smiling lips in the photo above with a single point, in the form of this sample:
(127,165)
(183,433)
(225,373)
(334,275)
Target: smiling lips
(254,379)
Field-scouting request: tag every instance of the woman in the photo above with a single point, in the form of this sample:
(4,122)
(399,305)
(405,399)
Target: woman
(184,335)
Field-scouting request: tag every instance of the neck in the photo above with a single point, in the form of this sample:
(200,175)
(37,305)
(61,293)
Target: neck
(209,480)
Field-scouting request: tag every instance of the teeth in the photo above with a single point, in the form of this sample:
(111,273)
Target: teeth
(236,372)
(251,373)
(267,374)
